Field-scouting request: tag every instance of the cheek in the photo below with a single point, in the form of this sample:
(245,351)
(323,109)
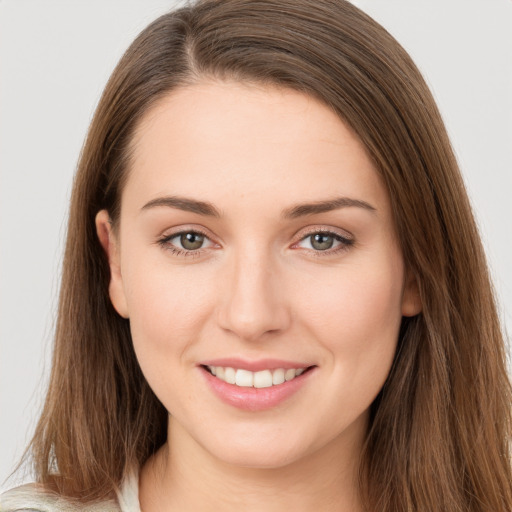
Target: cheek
(359,300)
(357,319)
(168,312)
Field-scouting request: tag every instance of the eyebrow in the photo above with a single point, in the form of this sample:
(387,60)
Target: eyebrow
(185,204)
(303,210)
(300,210)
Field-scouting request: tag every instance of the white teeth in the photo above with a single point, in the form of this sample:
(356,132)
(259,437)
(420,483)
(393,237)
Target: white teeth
(278,376)
(261,379)
(229,375)
(244,378)
(289,374)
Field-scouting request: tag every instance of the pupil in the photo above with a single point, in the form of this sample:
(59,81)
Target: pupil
(191,241)
(321,241)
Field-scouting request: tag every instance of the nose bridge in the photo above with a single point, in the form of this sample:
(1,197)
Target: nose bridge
(254,302)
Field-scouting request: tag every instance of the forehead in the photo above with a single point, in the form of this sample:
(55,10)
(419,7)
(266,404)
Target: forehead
(226,140)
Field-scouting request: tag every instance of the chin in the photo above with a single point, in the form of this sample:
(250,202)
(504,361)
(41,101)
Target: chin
(261,458)
(259,452)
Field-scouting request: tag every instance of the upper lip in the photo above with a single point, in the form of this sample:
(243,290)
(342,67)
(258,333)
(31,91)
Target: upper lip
(255,366)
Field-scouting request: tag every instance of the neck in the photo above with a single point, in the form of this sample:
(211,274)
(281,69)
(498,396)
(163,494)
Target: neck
(184,477)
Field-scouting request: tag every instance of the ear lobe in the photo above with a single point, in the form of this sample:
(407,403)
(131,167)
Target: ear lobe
(411,300)
(110,245)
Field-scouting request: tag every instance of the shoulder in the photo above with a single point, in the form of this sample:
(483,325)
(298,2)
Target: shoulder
(34,498)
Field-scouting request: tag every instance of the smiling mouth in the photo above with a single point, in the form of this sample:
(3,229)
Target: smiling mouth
(261,379)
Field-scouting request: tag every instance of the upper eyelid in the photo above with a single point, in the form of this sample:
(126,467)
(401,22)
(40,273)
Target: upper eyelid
(179,233)
(166,234)
(303,233)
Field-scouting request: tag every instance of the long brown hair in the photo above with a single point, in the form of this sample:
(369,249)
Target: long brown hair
(440,428)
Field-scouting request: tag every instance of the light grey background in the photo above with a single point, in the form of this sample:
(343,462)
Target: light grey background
(55,57)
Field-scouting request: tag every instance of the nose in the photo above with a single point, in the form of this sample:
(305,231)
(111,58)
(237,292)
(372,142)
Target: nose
(254,302)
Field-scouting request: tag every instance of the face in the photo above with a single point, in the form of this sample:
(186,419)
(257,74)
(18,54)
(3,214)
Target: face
(256,242)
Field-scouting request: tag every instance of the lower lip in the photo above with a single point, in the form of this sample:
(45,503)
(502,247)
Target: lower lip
(255,399)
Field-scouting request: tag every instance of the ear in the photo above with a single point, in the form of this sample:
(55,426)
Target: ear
(110,245)
(411,300)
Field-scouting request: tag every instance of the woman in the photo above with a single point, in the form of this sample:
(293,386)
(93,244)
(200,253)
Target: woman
(274,294)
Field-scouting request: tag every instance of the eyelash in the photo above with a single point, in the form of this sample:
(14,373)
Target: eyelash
(345,243)
(164,242)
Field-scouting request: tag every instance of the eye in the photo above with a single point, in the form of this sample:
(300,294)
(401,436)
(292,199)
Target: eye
(191,241)
(186,242)
(325,241)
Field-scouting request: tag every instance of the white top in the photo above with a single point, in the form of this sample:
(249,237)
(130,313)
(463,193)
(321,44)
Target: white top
(128,497)
(33,498)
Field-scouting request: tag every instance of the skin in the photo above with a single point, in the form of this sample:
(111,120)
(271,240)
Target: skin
(257,288)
